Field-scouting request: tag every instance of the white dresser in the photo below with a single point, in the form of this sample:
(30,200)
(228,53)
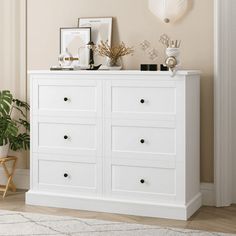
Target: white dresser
(116,141)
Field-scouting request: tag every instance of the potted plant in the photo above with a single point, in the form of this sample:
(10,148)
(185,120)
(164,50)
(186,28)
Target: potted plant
(114,53)
(14,127)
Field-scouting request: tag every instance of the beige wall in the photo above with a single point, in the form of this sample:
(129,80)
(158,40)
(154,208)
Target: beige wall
(133,23)
(13,53)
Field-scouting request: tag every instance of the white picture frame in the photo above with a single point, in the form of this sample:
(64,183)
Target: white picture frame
(101,30)
(75,40)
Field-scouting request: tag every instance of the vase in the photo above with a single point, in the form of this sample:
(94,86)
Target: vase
(4,151)
(114,64)
(174,52)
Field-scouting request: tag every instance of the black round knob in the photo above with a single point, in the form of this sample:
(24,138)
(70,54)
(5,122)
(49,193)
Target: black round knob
(142,101)
(66,99)
(66,175)
(142,141)
(142,181)
(66,137)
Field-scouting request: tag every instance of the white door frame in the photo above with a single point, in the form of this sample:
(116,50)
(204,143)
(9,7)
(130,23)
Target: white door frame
(222,113)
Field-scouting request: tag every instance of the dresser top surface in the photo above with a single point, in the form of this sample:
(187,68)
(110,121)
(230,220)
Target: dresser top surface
(110,72)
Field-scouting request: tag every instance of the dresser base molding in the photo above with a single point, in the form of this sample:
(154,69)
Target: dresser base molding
(169,211)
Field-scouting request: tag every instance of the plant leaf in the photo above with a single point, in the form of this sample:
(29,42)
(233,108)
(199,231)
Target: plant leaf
(5,102)
(22,141)
(21,104)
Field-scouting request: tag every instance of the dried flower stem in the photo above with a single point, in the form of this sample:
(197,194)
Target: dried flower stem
(115,52)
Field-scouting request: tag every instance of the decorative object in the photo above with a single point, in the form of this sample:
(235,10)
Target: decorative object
(164,67)
(144,67)
(114,53)
(134,113)
(39,224)
(151,52)
(148,67)
(169,11)
(56,68)
(101,29)
(66,59)
(172,60)
(11,124)
(145,45)
(91,47)
(164,40)
(73,46)
(172,57)
(172,52)
(9,174)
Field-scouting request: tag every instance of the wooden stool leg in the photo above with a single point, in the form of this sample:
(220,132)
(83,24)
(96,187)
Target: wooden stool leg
(9,174)
(7,186)
(10,182)
(12,185)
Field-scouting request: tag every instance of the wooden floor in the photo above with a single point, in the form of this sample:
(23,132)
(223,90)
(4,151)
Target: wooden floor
(207,218)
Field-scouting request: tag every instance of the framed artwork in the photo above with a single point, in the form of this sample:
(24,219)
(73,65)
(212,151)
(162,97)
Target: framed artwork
(74,41)
(101,30)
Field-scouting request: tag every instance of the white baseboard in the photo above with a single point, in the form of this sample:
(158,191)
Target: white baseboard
(208,194)
(21,178)
(22,181)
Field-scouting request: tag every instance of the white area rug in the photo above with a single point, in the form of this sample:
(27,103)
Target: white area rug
(26,224)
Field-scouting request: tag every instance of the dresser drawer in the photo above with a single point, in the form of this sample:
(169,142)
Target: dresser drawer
(142,180)
(67,98)
(67,136)
(68,176)
(140,139)
(150,100)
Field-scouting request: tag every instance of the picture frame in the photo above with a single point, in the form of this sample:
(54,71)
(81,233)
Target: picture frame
(75,40)
(101,30)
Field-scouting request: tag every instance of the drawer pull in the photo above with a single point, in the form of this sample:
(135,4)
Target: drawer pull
(142,101)
(66,137)
(142,181)
(66,175)
(142,141)
(66,99)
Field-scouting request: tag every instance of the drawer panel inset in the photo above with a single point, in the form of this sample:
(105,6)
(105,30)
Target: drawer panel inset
(67,177)
(67,174)
(80,136)
(143,100)
(152,100)
(67,97)
(67,136)
(78,98)
(144,140)
(143,180)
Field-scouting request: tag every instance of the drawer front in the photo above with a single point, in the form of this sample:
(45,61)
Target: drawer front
(141,139)
(66,98)
(146,100)
(68,177)
(144,180)
(139,182)
(67,136)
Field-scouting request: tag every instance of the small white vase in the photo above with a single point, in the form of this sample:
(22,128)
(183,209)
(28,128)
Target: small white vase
(4,151)
(174,52)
